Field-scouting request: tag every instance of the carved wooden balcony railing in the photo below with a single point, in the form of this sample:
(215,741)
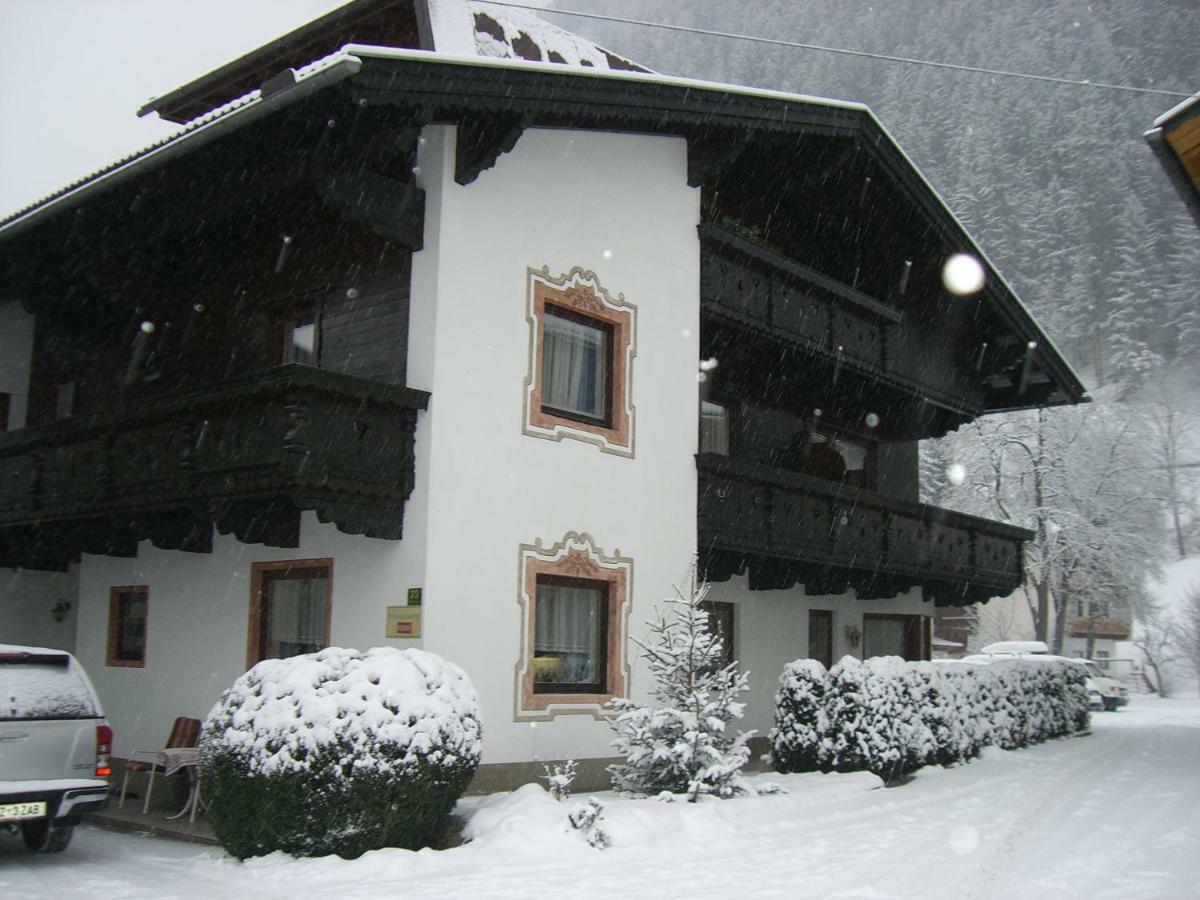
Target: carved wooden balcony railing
(789,529)
(754,287)
(1104,629)
(246,456)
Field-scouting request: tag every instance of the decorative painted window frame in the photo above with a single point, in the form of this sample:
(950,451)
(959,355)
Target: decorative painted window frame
(580,292)
(575,556)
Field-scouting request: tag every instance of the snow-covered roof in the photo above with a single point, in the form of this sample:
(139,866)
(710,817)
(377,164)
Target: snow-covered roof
(188,133)
(464,28)
(1176,110)
(348,59)
(478,28)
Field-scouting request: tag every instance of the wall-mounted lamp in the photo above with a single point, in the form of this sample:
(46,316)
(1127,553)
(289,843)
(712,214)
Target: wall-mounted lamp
(60,610)
(853,635)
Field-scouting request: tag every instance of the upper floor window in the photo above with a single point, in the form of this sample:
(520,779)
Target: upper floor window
(289,608)
(127,607)
(64,401)
(579,382)
(831,456)
(301,340)
(576,366)
(714,428)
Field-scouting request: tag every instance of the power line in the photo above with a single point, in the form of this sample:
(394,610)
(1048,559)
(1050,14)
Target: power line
(1052,79)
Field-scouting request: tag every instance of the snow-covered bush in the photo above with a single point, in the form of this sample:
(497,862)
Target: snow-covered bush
(972,700)
(559,778)
(588,819)
(800,739)
(935,702)
(339,752)
(681,745)
(889,716)
(874,719)
(865,708)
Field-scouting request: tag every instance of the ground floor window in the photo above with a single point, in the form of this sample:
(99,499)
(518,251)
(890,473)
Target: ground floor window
(820,636)
(720,622)
(290,608)
(896,635)
(570,635)
(127,607)
(574,601)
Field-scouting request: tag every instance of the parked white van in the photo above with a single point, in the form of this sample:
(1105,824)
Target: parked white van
(55,746)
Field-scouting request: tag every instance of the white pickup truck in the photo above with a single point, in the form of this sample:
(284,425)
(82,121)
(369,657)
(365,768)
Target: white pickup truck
(55,746)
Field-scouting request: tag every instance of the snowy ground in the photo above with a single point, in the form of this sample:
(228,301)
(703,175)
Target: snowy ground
(1115,814)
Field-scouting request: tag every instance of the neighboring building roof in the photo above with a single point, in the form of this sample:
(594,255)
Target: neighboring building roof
(453,27)
(1175,139)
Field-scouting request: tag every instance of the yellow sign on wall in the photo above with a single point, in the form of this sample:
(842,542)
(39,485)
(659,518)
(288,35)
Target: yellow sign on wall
(403,622)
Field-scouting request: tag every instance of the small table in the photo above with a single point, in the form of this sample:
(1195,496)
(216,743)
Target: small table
(176,758)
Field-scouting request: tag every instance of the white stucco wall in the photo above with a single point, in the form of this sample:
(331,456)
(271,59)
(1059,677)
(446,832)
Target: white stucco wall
(618,205)
(198,620)
(16,351)
(27,600)
(771,629)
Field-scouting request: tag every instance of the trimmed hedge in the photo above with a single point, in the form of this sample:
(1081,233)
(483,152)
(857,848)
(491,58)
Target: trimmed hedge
(890,717)
(339,752)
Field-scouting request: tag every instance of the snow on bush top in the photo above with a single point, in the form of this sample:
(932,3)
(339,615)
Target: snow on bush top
(283,711)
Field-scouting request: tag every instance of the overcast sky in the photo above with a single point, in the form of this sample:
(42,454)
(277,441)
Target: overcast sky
(74,72)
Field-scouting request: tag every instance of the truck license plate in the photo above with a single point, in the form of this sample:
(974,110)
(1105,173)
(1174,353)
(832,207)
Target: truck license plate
(34,809)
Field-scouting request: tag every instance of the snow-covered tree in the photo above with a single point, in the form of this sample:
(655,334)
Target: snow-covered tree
(1156,635)
(1084,480)
(681,743)
(1189,628)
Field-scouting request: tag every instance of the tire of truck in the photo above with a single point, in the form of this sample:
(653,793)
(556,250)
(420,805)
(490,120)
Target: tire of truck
(43,836)
(1110,704)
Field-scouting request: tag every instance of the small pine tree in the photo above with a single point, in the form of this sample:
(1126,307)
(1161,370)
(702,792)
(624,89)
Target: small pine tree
(681,744)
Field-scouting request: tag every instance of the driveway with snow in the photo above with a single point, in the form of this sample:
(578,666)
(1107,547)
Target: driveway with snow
(1114,814)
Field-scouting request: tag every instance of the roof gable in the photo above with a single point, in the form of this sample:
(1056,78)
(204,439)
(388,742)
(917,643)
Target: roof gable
(453,27)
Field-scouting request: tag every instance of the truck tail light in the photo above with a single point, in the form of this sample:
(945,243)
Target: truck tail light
(104,738)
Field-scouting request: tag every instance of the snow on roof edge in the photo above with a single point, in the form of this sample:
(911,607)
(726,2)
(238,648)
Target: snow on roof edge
(196,126)
(1175,110)
(590,72)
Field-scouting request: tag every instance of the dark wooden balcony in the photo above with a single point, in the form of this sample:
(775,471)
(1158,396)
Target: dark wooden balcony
(757,301)
(246,456)
(1102,629)
(787,529)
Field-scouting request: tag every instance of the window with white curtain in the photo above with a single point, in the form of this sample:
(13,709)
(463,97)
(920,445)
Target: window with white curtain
(570,621)
(576,354)
(293,609)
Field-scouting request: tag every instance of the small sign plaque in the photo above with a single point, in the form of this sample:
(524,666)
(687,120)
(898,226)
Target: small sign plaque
(414,596)
(403,622)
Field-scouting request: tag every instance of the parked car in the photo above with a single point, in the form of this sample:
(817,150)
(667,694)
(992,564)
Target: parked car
(1103,692)
(1111,692)
(55,746)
